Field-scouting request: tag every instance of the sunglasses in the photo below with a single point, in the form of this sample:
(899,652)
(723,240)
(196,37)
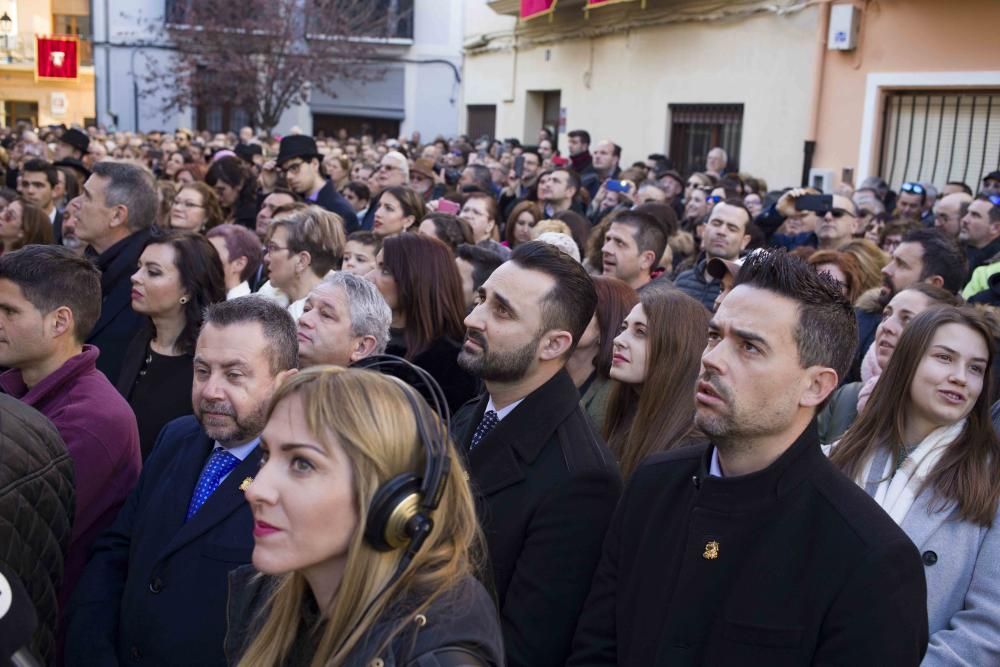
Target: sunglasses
(913,188)
(713,199)
(994,199)
(840,212)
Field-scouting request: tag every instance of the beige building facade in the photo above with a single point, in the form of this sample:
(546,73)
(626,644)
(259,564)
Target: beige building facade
(759,78)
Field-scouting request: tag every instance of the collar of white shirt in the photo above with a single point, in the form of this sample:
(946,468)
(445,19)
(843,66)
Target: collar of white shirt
(504,412)
(714,469)
(243,289)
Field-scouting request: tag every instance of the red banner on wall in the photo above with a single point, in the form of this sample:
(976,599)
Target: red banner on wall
(57,57)
(534,8)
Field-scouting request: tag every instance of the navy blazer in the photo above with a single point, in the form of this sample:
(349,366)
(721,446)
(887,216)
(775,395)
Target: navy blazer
(118,323)
(154,591)
(331,200)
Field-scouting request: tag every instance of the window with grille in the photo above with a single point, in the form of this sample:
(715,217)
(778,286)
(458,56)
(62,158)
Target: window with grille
(937,137)
(695,129)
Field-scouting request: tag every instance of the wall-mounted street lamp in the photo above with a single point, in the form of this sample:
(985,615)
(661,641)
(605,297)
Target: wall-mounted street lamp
(6,29)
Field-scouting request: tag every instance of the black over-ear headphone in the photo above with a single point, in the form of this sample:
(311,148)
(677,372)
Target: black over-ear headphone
(400,511)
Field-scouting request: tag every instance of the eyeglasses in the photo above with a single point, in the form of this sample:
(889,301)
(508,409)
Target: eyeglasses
(387,167)
(187,204)
(841,212)
(271,248)
(292,168)
(913,188)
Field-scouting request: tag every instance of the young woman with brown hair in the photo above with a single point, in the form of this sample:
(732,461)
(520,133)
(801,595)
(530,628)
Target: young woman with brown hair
(590,364)
(924,448)
(657,358)
(418,278)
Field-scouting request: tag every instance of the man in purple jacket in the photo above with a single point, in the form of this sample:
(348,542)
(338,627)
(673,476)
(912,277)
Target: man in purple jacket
(49,302)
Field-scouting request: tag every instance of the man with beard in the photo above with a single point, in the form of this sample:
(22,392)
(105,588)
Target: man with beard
(156,585)
(546,482)
(924,255)
(751,548)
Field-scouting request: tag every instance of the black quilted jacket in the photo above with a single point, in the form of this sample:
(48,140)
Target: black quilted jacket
(36,511)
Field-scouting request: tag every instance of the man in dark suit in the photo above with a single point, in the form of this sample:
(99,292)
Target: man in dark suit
(154,591)
(546,484)
(752,549)
(113,216)
(301,161)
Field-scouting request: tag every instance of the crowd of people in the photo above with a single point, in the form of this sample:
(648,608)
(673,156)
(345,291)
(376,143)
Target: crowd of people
(357,401)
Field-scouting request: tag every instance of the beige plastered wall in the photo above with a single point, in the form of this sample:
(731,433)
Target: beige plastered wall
(18,83)
(956,42)
(619,86)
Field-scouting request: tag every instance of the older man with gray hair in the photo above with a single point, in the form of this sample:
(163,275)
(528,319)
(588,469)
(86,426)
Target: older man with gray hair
(345,320)
(113,217)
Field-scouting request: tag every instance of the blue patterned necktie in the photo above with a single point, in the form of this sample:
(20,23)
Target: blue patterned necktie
(485,426)
(220,464)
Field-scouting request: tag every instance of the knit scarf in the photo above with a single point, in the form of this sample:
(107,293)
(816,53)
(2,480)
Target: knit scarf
(895,489)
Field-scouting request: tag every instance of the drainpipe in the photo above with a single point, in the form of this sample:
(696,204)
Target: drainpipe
(819,62)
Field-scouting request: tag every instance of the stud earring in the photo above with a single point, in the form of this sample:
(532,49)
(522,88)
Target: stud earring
(184,300)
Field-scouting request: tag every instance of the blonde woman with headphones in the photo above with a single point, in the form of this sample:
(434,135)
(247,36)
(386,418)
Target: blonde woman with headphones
(366,540)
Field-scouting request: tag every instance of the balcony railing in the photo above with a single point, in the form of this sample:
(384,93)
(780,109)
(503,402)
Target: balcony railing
(396,16)
(19,49)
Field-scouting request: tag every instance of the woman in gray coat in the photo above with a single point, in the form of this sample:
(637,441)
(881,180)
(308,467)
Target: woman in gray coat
(924,448)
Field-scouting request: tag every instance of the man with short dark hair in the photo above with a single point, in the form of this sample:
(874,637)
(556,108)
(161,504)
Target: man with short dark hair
(579,150)
(751,548)
(924,255)
(557,190)
(301,162)
(113,215)
(725,236)
(910,202)
(633,246)
(991,184)
(37,184)
(156,586)
(50,299)
(345,320)
(546,482)
(475,264)
(476,178)
(980,231)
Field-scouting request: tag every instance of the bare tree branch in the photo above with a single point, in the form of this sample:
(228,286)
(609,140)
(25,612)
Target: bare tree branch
(265,55)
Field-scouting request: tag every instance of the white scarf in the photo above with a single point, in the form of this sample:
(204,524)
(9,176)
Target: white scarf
(896,490)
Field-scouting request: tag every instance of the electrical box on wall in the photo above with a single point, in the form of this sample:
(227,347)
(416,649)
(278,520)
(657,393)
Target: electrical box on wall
(822,180)
(843,35)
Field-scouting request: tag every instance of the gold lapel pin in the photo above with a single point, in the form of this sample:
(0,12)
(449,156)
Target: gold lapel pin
(245,484)
(711,551)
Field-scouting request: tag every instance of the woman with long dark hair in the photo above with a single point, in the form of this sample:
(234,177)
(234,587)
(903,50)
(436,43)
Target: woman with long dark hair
(925,450)
(590,364)
(179,275)
(657,358)
(23,224)
(236,187)
(417,276)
